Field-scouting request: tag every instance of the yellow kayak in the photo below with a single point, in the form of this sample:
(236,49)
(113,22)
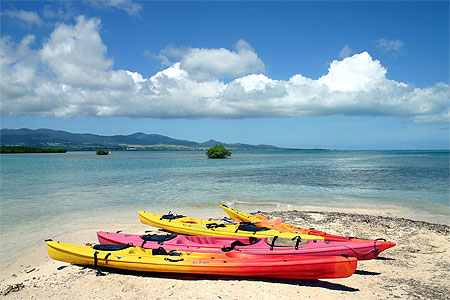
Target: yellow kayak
(230,263)
(190,226)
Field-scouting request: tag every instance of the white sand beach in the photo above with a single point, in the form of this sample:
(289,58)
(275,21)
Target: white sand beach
(417,268)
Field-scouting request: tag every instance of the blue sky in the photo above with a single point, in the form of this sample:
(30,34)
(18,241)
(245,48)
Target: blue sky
(340,75)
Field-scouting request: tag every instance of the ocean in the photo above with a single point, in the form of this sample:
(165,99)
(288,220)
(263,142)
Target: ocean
(46,193)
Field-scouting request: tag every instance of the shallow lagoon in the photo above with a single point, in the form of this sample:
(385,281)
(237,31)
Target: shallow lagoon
(46,193)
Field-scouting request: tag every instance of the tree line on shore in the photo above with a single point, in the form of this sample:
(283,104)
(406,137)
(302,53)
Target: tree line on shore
(22,149)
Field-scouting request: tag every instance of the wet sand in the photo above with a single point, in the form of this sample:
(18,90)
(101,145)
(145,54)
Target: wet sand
(417,268)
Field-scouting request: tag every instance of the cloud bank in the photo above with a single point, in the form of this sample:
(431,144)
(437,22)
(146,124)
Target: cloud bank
(71,75)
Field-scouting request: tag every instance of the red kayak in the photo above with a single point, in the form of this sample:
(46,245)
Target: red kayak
(262,246)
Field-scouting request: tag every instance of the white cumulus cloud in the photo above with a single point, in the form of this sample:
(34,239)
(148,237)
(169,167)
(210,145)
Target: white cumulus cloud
(71,75)
(77,56)
(356,73)
(205,64)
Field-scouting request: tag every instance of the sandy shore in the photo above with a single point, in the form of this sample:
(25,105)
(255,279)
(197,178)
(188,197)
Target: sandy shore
(417,268)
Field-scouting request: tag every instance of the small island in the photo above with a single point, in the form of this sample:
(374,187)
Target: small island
(22,149)
(218,151)
(102,152)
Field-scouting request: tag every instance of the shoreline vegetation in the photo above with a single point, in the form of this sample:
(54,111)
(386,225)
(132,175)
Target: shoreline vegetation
(21,149)
(153,148)
(417,268)
(178,148)
(139,141)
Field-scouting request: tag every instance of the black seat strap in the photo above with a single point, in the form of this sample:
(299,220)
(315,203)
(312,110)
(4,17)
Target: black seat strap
(214,225)
(252,240)
(159,251)
(95,259)
(162,251)
(299,239)
(273,242)
(99,272)
(233,245)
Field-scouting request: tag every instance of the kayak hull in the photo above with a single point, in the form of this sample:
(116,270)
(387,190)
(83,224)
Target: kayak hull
(225,264)
(262,246)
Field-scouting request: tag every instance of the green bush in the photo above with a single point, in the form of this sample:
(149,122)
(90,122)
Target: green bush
(218,151)
(102,152)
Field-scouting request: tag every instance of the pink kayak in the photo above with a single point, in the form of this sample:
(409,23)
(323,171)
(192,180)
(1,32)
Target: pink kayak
(251,245)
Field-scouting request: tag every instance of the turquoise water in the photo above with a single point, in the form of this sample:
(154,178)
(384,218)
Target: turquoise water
(34,185)
(39,192)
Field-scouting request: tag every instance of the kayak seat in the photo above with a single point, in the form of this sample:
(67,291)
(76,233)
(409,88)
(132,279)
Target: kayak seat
(171,217)
(162,251)
(251,227)
(111,247)
(158,238)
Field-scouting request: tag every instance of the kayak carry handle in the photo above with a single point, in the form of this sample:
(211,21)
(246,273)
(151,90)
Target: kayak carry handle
(173,260)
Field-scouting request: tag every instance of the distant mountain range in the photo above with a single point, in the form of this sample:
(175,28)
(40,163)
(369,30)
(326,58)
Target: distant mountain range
(137,141)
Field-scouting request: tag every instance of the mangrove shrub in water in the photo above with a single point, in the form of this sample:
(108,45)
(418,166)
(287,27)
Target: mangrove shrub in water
(102,152)
(218,151)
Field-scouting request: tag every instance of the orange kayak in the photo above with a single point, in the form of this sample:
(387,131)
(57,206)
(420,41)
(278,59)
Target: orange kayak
(260,220)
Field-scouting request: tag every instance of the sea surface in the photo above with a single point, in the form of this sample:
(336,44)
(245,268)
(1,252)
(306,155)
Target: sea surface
(44,193)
